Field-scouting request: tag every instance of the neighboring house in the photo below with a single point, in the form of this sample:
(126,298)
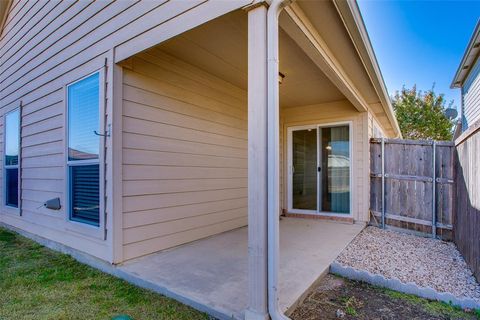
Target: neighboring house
(134,115)
(467,78)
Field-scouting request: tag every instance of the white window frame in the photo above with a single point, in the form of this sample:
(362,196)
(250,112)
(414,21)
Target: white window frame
(289,174)
(8,208)
(73,225)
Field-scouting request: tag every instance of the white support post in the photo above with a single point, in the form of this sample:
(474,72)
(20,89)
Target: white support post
(273,134)
(257,165)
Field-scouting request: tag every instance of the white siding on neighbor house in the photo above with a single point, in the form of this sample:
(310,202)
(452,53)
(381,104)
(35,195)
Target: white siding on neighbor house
(471,97)
(184,154)
(330,113)
(44,46)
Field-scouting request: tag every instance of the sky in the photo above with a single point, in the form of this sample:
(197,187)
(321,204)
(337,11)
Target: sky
(420,42)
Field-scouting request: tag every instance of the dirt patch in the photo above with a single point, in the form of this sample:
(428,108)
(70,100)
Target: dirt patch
(338,298)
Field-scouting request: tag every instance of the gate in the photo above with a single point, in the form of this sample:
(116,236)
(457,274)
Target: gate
(412,186)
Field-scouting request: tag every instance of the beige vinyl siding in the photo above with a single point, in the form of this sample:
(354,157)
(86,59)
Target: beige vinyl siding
(371,126)
(184,154)
(471,96)
(2,162)
(46,45)
(374,128)
(330,113)
(43,169)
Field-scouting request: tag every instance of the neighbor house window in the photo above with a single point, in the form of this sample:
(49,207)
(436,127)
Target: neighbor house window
(83,102)
(12,144)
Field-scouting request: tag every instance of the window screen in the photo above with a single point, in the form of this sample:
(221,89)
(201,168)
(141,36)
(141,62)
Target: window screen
(85,193)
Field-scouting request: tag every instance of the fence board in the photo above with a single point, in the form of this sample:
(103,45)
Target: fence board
(409,182)
(466,219)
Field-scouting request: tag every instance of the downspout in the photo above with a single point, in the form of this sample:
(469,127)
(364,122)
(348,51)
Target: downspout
(273,117)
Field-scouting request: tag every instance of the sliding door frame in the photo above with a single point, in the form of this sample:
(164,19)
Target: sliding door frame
(290,131)
(289,175)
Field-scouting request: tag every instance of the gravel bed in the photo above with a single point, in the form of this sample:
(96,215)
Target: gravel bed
(423,261)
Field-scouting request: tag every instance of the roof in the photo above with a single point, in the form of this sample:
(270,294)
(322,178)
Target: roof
(353,20)
(469,57)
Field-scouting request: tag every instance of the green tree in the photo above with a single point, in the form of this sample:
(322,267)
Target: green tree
(421,115)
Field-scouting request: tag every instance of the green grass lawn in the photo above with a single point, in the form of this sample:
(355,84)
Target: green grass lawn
(38,283)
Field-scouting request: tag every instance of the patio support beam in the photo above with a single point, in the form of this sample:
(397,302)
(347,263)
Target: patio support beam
(257,164)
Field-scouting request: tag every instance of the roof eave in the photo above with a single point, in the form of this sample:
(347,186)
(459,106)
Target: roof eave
(350,12)
(463,69)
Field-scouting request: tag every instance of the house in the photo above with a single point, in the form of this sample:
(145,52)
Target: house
(134,127)
(467,78)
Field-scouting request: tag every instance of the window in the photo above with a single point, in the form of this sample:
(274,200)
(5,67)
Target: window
(12,147)
(83,104)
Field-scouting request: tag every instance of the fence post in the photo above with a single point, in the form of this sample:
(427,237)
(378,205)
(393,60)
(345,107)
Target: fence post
(383,182)
(434,191)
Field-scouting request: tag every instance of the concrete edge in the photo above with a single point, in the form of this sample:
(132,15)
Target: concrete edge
(108,268)
(217,313)
(322,275)
(305,294)
(397,285)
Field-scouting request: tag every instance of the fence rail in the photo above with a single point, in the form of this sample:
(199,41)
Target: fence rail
(412,186)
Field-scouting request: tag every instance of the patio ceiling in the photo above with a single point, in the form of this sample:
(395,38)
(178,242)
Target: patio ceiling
(325,56)
(225,56)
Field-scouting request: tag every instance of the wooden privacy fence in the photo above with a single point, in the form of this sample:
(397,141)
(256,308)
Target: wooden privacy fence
(412,186)
(466,220)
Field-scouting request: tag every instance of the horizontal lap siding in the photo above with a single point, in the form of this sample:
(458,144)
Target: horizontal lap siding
(2,189)
(471,96)
(330,113)
(374,129)
(46,45)
(184,154)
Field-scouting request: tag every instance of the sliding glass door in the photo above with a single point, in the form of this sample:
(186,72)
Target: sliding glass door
(334,156)
(304,177)
(320,169)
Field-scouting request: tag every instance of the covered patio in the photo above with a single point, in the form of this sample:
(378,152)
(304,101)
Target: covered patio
(226,129)
(212,274)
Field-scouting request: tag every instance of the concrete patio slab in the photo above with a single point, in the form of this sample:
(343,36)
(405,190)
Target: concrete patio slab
(211,274)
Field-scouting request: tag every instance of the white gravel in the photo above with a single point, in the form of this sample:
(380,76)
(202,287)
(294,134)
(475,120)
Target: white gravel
(425,262)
